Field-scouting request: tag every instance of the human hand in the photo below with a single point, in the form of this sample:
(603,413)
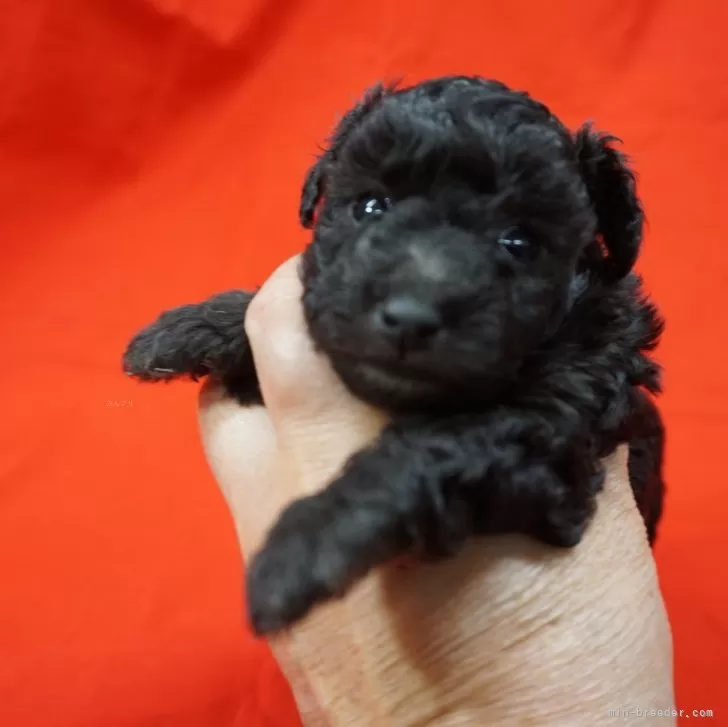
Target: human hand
(508,632)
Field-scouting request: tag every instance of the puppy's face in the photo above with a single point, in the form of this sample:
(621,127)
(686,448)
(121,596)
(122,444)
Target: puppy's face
(454,221)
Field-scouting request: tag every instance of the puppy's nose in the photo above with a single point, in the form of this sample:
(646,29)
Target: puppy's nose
(407,319)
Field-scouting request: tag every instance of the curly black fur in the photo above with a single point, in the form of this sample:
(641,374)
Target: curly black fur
(471,271)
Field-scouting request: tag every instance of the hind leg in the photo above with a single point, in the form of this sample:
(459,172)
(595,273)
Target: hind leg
(202,339)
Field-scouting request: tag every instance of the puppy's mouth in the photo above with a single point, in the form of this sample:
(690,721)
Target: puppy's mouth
(391,383)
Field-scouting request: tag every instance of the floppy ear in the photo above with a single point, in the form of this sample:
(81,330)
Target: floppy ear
(611,186)
(315,182)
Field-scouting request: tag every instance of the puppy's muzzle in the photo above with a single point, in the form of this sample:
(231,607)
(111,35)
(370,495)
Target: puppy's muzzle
(416,277)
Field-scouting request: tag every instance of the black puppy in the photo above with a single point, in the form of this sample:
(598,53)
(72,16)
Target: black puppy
(471,272)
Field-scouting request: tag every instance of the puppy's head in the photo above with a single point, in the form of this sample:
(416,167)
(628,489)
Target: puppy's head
(455,224)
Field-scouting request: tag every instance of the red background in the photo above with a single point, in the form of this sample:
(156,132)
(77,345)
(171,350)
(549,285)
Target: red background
(151,153)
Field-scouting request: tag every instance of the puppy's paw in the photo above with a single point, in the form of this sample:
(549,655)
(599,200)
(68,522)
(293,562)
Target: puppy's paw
(297,568)
(195,340)
(177,344)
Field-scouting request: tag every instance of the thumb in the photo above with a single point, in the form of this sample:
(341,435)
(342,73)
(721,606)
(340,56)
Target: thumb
(241,449)
(318,423)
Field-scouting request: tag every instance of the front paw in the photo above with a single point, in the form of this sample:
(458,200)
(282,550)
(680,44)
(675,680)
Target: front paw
(194,340)
(296,569)
(172,346)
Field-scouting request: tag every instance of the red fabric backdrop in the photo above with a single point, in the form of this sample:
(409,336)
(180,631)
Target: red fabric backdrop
(151,153)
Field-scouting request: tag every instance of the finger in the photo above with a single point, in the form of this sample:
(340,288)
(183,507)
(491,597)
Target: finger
(317,421)
(240,446)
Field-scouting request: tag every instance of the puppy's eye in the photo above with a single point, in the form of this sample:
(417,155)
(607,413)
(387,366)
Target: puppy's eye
(370,207)
(517,244)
